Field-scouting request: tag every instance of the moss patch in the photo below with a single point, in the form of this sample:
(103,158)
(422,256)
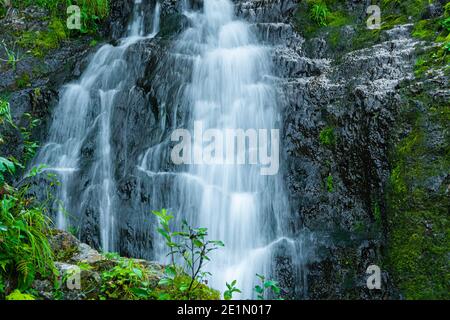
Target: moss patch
(418,201)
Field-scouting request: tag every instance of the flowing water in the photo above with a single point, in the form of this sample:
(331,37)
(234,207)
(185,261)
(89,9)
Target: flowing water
(85,108)
(216,73)
(230,88)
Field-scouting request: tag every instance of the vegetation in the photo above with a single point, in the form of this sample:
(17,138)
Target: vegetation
(127,280)
(327,137)
(418,213)
(24,248)
(267,285)
(231,289)
(17,295)
(40,42)
(319,13)
(329,183)
(438,32)
(192,247)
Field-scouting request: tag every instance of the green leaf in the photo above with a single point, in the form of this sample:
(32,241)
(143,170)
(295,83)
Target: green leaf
(198,243)
(170,272)
(7,166)
(138,272)
(183,287)
(165,282)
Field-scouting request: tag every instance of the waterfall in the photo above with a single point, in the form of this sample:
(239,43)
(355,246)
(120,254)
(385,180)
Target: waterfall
(231,87)
(215,74)
(85,108)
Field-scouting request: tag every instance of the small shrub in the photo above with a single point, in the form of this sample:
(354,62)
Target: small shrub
(231,289)
(319,13)
(267,287)
(192,248)
(128,280)
(24,248)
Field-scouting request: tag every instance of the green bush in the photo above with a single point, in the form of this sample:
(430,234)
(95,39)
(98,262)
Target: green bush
(24,248)
(127,280)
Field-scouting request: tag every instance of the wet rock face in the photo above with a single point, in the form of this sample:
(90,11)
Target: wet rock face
(335,185)
(44,76)
(120,12)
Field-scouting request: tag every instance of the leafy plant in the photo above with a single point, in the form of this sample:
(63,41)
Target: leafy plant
(191,246)
(24,247)
(127,280)
(6,166)
(267,285)
(5,112)
(319,13)
(164,218)
(92,12)
(13,57)
(30,146)
(231,288)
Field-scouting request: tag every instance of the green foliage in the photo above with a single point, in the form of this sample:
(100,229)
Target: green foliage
(319,13)
(191,246)
(5,113)
(327,137)
(30,146)
(12,56)
(164,218)
(24,248)
(17,295)
(417,216)
(267,287)
(315,15)
(40,42)
(174,287)
(6,167)
(128,280)
(231,289)
(329,183)
(438,31)
(377,214)
(92,13)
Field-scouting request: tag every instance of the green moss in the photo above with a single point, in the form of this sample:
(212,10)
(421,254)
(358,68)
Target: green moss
(438,31)
(418,221)
(40,42)
(327,136)
(329,183)
(172,292)
(17,295)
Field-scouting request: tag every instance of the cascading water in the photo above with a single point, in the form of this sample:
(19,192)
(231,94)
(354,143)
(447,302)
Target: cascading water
(216,74)
(230,88)
(85,108)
